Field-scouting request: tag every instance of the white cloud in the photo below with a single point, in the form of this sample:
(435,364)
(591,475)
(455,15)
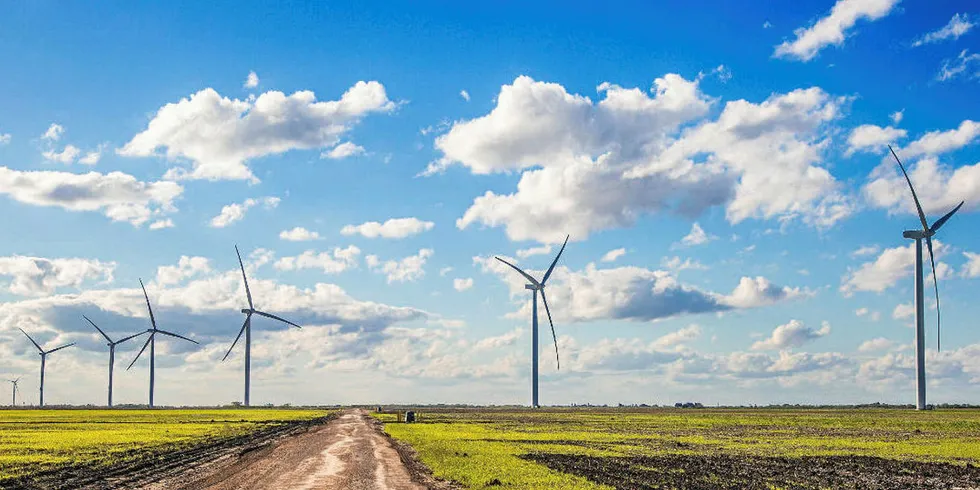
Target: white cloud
(871,137)
(496,342)
(118,196)
(897,116)
(861,311)
(904,310)
(953,68)
(407,269)
(298,234)
(758,291)
(186,268)
(53,133)
(866,250)
(465,95)
(37,276)
(766,24)
(938,187)
(723,72)
(219,135)
(957,26)
(92,157)
(338,261)
(676,264)
(832,29)
(343,150)
(252,80)
(66,156)
(5,138)
(392,228)
(161,224)
(872,315)
(462,284)
(697,236)
(445,270)
(939,142)
(892,265)
(613,255)
(792,334)
(234,212)
(971,268)
(876,344)
(528,252)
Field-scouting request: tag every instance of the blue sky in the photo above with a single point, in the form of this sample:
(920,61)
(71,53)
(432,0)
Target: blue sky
(134,143)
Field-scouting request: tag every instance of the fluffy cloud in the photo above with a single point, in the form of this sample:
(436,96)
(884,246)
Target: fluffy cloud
(892,265)
(957,26)
(676,264)
(876,344)
(219,135)
(939,142)
(832,29)
(462,284)
(963,63)
(528,252)
(252,80)
(614,254)
(92,157)
(234,212)
(866,250)
(298,234)
(53,133)
(5,138)
(407,269)
(792,334)
(343,150)
(35,276)
(393,228)
(938,187)
(339,260)
(972,266)
(897,116)
(161,224)
(872,137)
(697,236)
(904,310)
(118,196)
(465,95)
(186,267)
(872,315)
(66,156)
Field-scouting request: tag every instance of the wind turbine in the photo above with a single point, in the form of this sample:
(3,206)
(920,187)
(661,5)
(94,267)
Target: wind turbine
(247,328)
(151,341)
(13,403)
(112,351)
(44,356)
(536,286)
(920,330)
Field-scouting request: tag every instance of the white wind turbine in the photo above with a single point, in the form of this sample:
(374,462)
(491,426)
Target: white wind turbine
(920,330)
(535,287)
(247,328)
(112,351)
(13,402)
(152,342)
(44,356)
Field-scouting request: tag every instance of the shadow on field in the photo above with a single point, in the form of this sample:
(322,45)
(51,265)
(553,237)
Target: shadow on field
(725,472)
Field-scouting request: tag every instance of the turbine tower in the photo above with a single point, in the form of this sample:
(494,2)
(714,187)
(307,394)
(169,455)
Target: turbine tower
(151,341)
(535,287)
(925,233)
(13,402)
(247,328)
(112,351)
(44,357)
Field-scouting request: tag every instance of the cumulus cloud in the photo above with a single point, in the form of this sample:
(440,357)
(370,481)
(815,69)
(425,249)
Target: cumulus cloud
(298,234)
(939,188)
(460,284)
(220,135)
(118,196)
(92,157)
(876,344)
(892,265)
(613,255)
(832,29)
(392,228)
(235,212)
(938,142)
(5,138)
(36,276)
(964,63)
(697,236)
(53,133)
(792,334)
(971,268)
(408,269)
(904,310)
(465,95)
(871,137)
(866,250)
(339,260)
(252,80)
(66,156)
(343,150)
(161,224)
(957,26)
(676,264)
(897,116)
(186,267)
(528,252)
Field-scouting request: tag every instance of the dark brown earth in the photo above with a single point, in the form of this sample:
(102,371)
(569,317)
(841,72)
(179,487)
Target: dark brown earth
(724,472)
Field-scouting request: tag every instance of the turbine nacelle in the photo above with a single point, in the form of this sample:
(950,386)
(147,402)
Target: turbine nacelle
(532,287)
(917,234)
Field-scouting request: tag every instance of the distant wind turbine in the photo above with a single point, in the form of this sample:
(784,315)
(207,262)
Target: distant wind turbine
(112,351)
(536,286)
(920,330)
(151,341)
(13,402)
(247,328)
(44,356)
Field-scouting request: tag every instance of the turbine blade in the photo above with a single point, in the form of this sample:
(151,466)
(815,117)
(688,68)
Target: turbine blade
(553,336)
(525,274)
(164,332)
(59,348)
(148,339)
(935,284)
(942,221)
(97,328)
(552,268)
(153,321)
(130,337)
(274,317)
(922,216)
(248,293)
(240,332)
(31,339)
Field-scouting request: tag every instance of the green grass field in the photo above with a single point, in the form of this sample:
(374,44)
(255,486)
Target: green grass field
(36,440)
(477,447)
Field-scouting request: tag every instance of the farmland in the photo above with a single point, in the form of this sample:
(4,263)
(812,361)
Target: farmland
(707,448)
(39,442)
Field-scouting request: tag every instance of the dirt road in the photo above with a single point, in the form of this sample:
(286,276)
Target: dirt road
(350,452)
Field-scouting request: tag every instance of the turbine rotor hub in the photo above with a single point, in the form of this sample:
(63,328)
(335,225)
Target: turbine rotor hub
(246,310)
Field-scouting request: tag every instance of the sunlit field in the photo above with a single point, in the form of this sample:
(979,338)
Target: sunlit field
(697,448)
(33,441)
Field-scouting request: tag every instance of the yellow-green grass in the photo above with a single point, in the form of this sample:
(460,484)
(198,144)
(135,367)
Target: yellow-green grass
(37,440)
(473,447)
